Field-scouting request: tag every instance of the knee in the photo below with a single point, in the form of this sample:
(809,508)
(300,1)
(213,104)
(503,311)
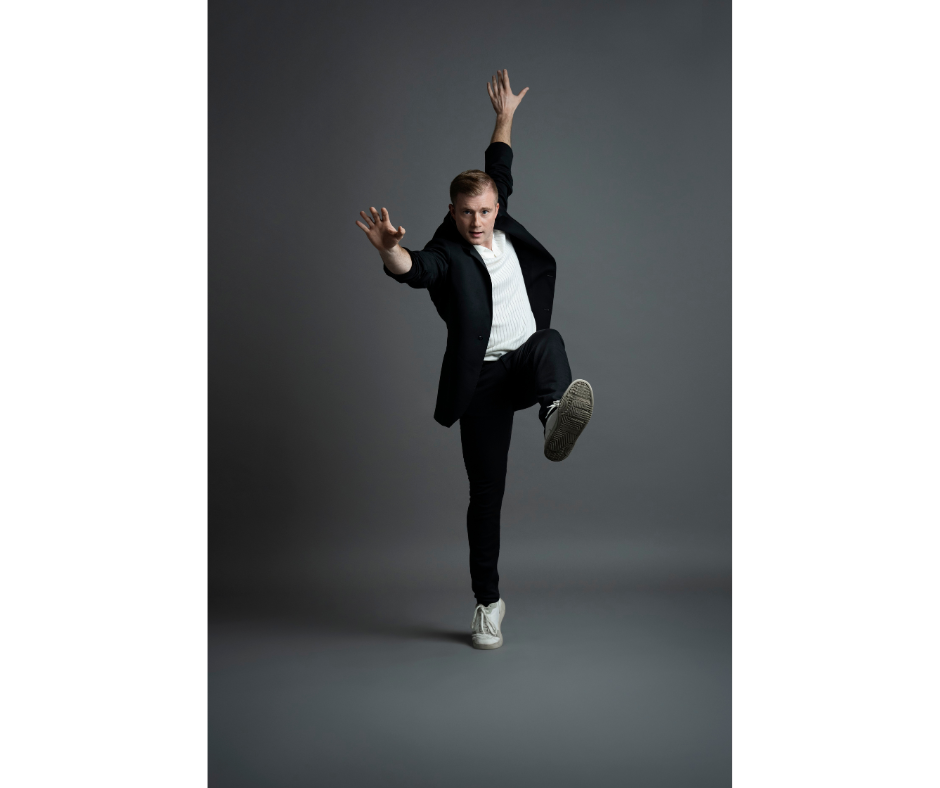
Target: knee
(486,496)
(550,336)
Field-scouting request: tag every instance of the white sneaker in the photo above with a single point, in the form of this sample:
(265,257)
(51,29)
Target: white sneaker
(486,625)
(567,417)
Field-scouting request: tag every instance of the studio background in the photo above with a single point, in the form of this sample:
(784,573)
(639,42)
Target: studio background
(334,496)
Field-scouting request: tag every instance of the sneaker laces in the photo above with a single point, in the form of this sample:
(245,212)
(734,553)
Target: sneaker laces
(551,409)
(481,624)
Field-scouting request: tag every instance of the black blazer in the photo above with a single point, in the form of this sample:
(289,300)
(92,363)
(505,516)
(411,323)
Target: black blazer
(457,280)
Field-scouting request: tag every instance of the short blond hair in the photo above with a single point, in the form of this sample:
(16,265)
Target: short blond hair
(473,183)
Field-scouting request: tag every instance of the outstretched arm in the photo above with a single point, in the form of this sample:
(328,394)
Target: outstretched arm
(505,103)
(384,237)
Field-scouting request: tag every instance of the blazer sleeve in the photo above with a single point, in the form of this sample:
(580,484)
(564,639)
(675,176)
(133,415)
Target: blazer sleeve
(499,168)
(428,267)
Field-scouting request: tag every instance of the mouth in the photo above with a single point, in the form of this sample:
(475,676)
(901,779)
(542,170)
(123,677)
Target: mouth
(477,234)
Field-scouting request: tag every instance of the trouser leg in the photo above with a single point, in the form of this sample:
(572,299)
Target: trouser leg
(485,433)
(540,367)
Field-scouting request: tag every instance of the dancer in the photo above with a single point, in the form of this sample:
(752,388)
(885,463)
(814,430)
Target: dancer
(493,284)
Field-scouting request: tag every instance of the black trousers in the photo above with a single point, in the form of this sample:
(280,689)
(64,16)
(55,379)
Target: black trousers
(535,372)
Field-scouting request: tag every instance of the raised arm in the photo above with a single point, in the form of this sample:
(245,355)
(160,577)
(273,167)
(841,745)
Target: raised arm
(505,103)
(416,269)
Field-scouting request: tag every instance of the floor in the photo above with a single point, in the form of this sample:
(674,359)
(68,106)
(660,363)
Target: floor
(593,687)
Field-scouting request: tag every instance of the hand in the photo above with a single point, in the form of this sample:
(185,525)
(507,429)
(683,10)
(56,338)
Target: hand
(382,234)
(504,102)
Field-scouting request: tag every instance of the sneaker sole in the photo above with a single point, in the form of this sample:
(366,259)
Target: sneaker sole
(502,612)
(574,412)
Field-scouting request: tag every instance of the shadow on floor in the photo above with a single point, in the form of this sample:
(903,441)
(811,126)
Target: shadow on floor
(428,633)
(350,614)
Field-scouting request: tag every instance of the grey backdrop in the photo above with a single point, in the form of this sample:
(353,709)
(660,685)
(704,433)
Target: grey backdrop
(336,502)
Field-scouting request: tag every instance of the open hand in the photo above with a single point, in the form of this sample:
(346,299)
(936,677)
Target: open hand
(501,94)
(382,234)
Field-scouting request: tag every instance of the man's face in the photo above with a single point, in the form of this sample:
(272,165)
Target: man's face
(475,217)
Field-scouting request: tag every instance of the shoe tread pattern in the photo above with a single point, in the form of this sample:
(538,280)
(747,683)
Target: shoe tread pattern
(574,412)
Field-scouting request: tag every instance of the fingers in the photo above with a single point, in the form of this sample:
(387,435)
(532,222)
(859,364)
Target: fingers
(370,223)
(498,86)
(373,219)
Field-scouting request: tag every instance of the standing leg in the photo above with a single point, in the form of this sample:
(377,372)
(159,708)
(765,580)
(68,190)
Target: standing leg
(485,433)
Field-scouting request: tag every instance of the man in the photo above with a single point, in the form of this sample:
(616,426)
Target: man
(493,285)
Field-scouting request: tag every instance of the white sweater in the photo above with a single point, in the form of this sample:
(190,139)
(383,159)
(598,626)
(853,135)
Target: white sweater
(513,322)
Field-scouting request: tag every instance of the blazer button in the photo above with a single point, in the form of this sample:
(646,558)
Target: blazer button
(480,336)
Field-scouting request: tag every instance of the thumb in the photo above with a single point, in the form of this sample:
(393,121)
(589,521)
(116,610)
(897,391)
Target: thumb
(401,230)
(524,91)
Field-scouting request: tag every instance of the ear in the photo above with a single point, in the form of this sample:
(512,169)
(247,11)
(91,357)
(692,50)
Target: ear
(452,214)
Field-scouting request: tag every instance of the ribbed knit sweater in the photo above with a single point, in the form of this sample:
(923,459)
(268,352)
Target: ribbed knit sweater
(513,322)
